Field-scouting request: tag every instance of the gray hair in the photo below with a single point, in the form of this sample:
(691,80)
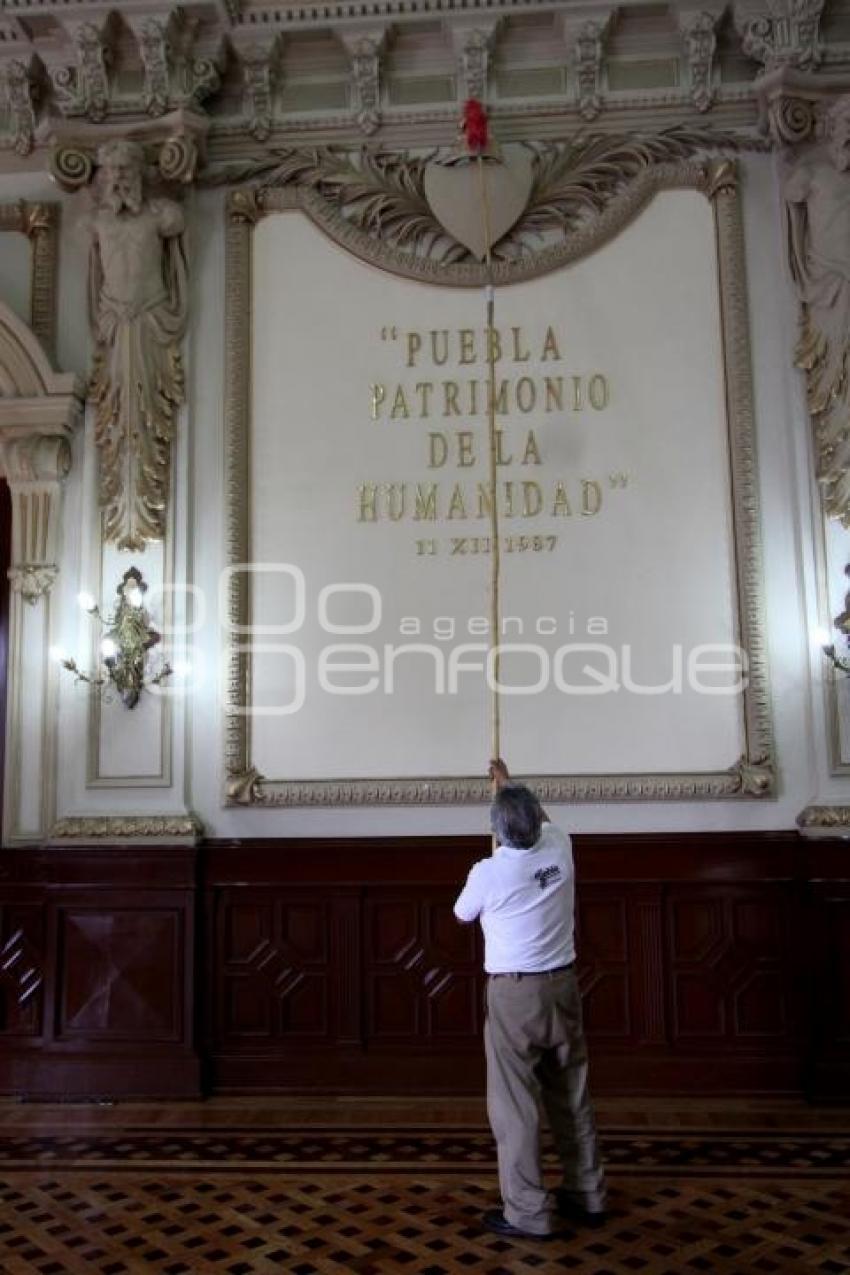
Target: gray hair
(516,817)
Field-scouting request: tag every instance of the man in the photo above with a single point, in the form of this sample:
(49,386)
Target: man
(534,1041)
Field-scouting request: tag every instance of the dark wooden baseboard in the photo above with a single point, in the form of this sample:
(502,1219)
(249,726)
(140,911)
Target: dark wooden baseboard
(709,963)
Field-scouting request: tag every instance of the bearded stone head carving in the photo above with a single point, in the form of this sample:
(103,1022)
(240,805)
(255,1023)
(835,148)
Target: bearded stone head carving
(120,176)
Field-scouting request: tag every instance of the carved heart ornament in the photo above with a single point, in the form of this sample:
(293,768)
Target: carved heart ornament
(453,192)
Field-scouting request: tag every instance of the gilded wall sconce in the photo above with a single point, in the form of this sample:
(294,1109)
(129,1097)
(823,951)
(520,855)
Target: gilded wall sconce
(125,646)
(842,623)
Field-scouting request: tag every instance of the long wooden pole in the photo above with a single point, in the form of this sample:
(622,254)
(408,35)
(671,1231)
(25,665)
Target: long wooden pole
(495,547)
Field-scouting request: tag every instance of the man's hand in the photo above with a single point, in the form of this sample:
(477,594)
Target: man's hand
(498,774)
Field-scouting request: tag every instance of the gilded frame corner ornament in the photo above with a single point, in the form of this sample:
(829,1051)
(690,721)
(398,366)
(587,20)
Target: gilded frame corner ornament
(753,775)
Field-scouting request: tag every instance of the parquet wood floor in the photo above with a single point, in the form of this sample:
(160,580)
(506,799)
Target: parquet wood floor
(314,1188)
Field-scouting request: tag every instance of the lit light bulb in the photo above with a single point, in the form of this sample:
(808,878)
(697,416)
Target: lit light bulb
(822,636)
(134,597)
(57,654)
(108,648)
(182,669)
(86,601)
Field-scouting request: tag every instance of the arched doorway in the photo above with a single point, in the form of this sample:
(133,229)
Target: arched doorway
(39,409)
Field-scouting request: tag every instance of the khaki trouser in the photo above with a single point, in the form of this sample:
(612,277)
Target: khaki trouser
(536,1053)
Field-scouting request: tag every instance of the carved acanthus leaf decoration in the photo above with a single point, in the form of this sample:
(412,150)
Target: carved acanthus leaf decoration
(384,194)
(366,83)
(32,582)
(154,49)
(574,181)
(587,56)
(826,820)
(244,789)
(700,45)
(816,192)
(787,35)
(757,778)
(20,97)
(84,89)
(167,828)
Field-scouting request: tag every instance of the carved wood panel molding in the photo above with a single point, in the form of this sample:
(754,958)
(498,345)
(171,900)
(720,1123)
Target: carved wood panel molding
(709,962)
(691,972)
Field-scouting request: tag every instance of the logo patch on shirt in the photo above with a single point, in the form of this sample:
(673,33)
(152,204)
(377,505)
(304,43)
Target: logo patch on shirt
(546,876)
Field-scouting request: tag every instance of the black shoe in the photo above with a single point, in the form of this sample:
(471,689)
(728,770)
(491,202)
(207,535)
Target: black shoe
(577,1213)
(494,1220)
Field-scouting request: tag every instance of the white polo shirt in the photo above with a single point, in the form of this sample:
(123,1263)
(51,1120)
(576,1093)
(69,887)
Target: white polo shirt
(525,900)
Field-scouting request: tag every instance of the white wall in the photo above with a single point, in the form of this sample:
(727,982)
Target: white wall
(790,535)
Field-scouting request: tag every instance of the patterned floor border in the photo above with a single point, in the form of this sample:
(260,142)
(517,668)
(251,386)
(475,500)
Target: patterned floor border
(704,1153)
(348,1201)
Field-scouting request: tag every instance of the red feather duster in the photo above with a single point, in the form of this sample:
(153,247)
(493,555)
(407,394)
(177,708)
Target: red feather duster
(475,126)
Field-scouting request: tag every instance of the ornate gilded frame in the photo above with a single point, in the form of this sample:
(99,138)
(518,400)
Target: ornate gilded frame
(40,223)
(751,775)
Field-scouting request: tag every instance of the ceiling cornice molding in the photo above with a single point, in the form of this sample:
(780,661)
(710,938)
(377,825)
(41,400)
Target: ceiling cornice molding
(119,67)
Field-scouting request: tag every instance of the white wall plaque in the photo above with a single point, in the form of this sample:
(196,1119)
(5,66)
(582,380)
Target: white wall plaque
(368,537)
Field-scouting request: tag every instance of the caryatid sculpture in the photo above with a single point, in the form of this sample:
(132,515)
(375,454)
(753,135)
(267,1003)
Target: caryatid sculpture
(138,307)
(817,201)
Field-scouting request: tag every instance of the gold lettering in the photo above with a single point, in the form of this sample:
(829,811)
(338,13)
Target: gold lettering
(500,459)
(550,346)
(500,407)
(368,511)
(561,506)
(473,397)
(395,494)
(438,450)
(577,404)
(414,345)
(532,499)
(425,509)
(494,345)
(518,341)
(451,389)
(457,509)
(440,349)
(378,394)
(485,500)
(509,499)
(465,456)
(591,496)
(554,393)
(423,389)
(467,345)
(526,394)
(532,452)
(399,407)
(597,391)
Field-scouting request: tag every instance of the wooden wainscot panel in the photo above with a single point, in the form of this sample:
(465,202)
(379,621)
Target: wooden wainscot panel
(605,965)
(423,970)
(112,932)
(22,970)
(682,959)
(120,972)
(712,963)
(728,966)
(826,937)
